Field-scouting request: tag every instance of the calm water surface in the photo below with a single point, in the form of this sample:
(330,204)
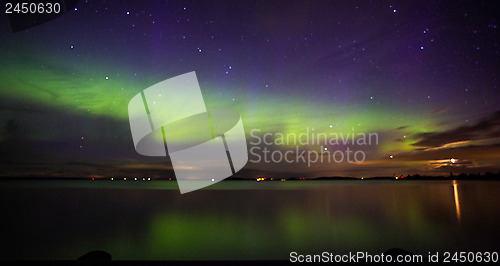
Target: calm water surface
(245,219)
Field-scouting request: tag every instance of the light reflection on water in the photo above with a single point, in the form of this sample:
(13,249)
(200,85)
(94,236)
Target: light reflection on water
(245,220)
(457,199)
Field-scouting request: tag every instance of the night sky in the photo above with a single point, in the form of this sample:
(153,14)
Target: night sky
(423,76)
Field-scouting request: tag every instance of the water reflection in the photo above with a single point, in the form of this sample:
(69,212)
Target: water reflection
(247,220)
(336,217)
(457,200)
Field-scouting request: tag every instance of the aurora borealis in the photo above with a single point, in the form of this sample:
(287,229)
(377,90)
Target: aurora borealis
(423,76)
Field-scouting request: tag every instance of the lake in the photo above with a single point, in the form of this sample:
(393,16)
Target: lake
(151,220)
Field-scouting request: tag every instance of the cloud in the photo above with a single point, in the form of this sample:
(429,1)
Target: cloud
(12,130)
(485,152)
(441,110)
(486,129)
